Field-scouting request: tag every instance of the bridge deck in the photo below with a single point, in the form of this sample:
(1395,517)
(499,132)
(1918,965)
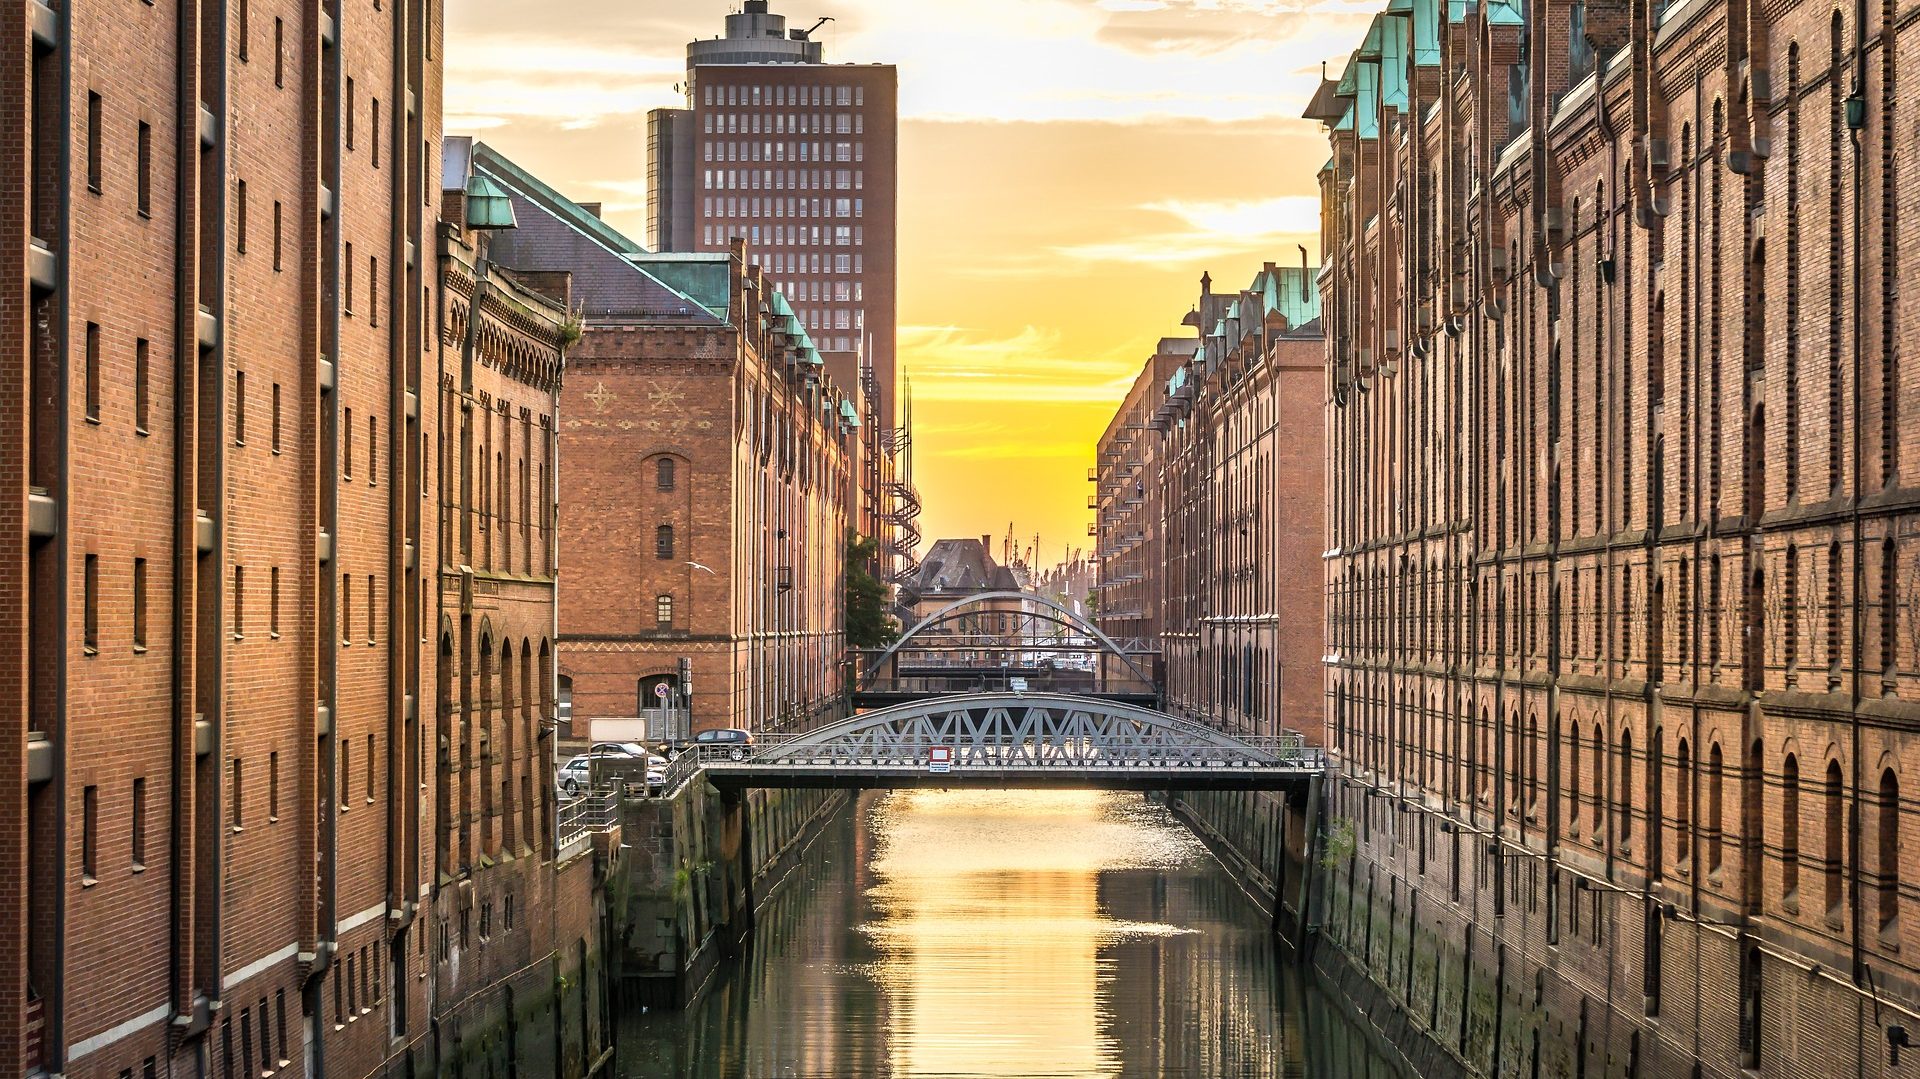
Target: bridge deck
(854,776)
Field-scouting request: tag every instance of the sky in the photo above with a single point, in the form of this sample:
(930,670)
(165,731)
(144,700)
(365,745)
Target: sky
(1068,169)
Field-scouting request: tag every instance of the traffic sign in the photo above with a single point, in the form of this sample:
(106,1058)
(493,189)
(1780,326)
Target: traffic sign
(660,690)
(940,759)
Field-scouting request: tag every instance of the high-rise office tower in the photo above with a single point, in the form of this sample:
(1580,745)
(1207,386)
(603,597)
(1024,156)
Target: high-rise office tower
(797,157)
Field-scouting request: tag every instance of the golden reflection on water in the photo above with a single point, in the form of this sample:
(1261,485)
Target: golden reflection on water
(989,927)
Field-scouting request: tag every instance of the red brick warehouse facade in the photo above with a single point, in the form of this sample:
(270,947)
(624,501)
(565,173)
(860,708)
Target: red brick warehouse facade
(1210,487)
(1621,596)
(707,464)
(224,324)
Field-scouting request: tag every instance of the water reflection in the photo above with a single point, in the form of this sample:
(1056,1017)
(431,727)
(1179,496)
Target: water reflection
(995,934)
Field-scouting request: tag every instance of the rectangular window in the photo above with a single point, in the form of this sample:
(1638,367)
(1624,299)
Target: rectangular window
(93,372)
(90,833)
(239,408)
(93,142)
(373,451)
(239,601)
(373,290)
(346,445)
(345,779)
(140,823)
(273,786)
(90,641)
(273,602)
(276,417)
(375,148)
(663,610)
(240,216)
(139,604)
(140,385)
(369,769)
(238,812)
(663,543)
(276,235)
(279,53)
(346,609)
(144,179)
(372,593)
(244,31)
(349,114)
(346,289)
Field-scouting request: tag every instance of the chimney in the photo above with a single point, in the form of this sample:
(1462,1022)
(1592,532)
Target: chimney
(986,542)
(1206,284)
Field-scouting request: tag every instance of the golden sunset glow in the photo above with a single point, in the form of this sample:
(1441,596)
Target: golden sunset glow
(1068,168)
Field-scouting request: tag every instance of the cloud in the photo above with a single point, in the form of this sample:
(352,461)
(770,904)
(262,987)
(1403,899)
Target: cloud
(1209,230)
(954,363)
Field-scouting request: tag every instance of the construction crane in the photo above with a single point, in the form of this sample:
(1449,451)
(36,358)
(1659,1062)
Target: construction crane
(807,34)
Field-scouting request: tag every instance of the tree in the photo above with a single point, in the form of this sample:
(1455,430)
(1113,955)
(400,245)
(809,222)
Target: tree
(868,623)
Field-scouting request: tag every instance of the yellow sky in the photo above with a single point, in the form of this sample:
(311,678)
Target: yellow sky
(1068,170)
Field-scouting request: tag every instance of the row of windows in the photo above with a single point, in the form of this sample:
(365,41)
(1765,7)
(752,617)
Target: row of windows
(90,865)
(783,151)
(356,987)
(817,96)
(784,179)
(92,377)
(820,209)
(783,123)
(268,1062)
(791,235)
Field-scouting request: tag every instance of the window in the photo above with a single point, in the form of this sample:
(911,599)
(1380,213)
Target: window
(372,608)
(276,235)
(367,767)
(239,601)
(373,450)
(350,111)
(93,142)
(1889,849)
(276,417)
(143,190)
(240,216)
(1715,820)
(1790,827)
(140,823)
(279,54)
(343,783)
(1835,828)
(273,603)
(1625,785)
(375,148)
(663,474)
(93,372)
(239,408)
(90,640)
(346,289)
(273,786)
(90,834)
(346,609)
(239,788)
(373,290)
(140,385)
(346,444)
(139,605)
(663,543)
(663,610)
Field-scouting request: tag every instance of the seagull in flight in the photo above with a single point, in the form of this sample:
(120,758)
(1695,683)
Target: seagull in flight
(704,569)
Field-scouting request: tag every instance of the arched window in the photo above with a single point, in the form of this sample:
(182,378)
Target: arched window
(1790,827)
(1835,832)
(663,543)
(1715,821)
(1599,780)
(1627,784)
(663,476)
(1573,773)
(1682,804)
(663,610)
(1889,848)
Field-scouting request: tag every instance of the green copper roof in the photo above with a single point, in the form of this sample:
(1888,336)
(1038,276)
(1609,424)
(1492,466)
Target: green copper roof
(1456,12)
(1370,47)
(1366,104)
(848,414)
(1426,32)
(1293,291)
(1349,85)
(519,179)
(1393,61)
(1505,13)
(705,279)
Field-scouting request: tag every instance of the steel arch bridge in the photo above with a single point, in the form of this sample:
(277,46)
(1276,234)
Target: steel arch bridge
(1011,740)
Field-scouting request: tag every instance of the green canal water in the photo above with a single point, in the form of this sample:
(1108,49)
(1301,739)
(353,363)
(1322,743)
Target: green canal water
(1016,933)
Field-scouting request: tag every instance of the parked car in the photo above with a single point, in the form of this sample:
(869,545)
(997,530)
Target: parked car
(574,777)
(625,749)
(727,736)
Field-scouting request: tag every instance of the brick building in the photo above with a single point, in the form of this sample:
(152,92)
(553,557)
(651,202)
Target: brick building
(799,159)
(220,321)
(1210,508)
(1622,583)
(708,467)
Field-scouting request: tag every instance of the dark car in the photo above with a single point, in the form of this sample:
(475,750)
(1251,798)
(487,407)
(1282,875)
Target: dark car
(726,736)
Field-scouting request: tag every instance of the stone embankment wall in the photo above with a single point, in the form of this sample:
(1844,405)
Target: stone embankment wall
(699,865)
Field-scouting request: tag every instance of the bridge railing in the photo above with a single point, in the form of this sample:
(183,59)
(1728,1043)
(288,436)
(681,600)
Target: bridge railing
(1287,752)
(577,818)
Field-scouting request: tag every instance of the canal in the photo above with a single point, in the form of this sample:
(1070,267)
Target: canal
(1014,933)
